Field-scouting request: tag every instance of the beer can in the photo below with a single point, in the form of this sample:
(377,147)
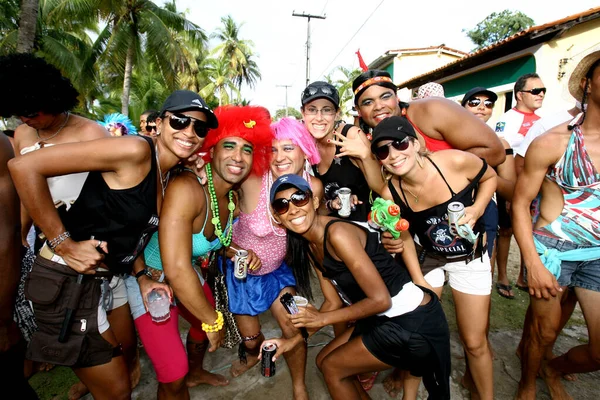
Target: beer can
(344,196)
(456,210)
(240,269)
(267,365)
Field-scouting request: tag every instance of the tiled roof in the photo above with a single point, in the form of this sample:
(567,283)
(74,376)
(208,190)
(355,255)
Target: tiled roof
(518,41)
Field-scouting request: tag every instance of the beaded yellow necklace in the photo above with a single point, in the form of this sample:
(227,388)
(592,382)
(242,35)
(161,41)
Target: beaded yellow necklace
(214,207)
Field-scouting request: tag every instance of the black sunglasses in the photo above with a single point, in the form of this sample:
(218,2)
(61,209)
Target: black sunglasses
(476,102)
(535,91)
(180,122)
(383,152)
(150,128)
(299,199)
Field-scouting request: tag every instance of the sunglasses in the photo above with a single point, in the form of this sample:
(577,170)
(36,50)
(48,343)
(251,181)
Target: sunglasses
(299,199)
(150,128)
(535,91)
(476,102)
(180,122)
(383,152)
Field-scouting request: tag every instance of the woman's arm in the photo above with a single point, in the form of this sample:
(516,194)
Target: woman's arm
(348,243)
(411,260)
(183,203)
(507,174)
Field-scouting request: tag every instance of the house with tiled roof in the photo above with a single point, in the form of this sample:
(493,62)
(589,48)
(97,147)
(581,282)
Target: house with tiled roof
(551,50)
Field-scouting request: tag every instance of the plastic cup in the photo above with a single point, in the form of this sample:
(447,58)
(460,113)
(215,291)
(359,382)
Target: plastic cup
(300,301)
(159,305)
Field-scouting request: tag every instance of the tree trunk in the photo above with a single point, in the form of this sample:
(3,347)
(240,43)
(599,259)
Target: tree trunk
(127,80)
(27,25)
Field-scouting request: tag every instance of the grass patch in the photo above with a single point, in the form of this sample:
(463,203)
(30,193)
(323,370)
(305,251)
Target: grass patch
(53,384)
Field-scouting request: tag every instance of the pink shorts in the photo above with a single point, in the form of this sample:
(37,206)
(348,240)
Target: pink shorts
(164,346)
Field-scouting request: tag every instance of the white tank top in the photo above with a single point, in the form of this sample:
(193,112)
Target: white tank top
(64,188)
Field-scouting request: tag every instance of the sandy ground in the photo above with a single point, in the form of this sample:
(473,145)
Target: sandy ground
(252,386)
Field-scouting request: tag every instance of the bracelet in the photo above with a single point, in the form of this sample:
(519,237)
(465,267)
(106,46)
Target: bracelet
(217,326)
(141,273)
(58,240)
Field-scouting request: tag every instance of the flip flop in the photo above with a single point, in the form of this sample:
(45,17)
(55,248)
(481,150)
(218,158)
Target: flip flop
(523,288)
(367,383)
(507,288)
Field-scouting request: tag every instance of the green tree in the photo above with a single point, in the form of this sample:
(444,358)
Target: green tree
(136,31)
(342,77)
(498,26)
(27,25)
(218,72)
(291,112)
(237,52)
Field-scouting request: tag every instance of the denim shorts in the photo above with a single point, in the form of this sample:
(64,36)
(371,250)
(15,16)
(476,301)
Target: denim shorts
(583,274)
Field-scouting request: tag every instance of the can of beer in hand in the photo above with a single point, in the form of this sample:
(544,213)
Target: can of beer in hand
(456,210)
(344,196)
(240,269)
(267,365)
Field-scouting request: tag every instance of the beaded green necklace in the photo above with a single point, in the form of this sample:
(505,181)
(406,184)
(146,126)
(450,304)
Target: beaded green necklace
(214,207)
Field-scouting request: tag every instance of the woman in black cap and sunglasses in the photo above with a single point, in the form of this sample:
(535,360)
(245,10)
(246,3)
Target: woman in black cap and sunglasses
(102,234)
(424,185)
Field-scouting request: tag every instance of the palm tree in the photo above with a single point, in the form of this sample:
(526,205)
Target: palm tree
(136,31)
(27,25)
(218,72)
(343,84)
(237,53)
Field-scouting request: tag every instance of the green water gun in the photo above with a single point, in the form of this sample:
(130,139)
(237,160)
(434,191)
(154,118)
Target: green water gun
(385,216)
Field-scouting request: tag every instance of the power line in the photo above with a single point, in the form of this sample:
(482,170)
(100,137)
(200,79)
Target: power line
(348,42)
(308,17)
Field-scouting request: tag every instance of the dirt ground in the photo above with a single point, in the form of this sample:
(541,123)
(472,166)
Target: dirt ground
(506,320)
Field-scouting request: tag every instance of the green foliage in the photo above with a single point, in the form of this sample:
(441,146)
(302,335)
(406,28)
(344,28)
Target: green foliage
(498,26)
(291,112)
(342,78)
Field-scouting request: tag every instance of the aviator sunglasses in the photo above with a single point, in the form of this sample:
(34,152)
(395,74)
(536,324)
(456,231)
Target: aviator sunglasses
(535,91)
(180,122)
(476,102)
(299,199)
(383,152)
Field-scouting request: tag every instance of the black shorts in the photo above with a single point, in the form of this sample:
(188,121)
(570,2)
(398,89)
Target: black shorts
(418,341)
(503,216)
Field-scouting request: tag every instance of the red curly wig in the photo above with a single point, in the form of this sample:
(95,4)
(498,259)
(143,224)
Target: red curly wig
(251,123)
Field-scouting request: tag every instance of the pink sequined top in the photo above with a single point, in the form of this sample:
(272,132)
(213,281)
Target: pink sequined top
(257,231)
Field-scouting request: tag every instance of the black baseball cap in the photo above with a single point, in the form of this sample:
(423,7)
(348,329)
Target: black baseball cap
(392,128)
(287,181)
(186,100)
(321,90)
(478,90)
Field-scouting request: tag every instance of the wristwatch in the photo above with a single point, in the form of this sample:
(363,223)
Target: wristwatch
(140,273)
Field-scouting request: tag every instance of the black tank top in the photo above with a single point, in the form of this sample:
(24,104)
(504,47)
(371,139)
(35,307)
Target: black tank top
(124,218)
(394,275)
(342,173)
(431,225)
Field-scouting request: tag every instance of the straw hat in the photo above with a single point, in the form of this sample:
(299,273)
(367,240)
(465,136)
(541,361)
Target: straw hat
(579,73)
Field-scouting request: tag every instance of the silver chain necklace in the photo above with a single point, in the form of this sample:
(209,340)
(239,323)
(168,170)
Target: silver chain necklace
(163,181)
(37,132)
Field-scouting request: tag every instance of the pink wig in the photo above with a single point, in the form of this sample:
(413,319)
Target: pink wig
(294,130)
(251,123)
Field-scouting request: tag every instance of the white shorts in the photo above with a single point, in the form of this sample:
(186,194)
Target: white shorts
(112,297)
(472,278)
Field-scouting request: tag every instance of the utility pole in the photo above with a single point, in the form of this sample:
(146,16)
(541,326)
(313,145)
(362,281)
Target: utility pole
(286,103)
(308,17)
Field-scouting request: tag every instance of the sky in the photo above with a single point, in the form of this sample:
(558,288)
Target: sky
(371,26)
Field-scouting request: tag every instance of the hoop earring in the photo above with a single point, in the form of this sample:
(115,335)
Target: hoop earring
(385,174)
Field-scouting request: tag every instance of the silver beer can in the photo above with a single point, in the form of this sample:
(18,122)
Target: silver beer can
(456,210)
(240,269)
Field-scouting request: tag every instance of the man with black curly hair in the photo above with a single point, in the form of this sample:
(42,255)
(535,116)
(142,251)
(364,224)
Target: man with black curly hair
(42,98)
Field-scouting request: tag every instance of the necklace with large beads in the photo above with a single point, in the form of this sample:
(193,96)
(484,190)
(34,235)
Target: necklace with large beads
(214,207)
